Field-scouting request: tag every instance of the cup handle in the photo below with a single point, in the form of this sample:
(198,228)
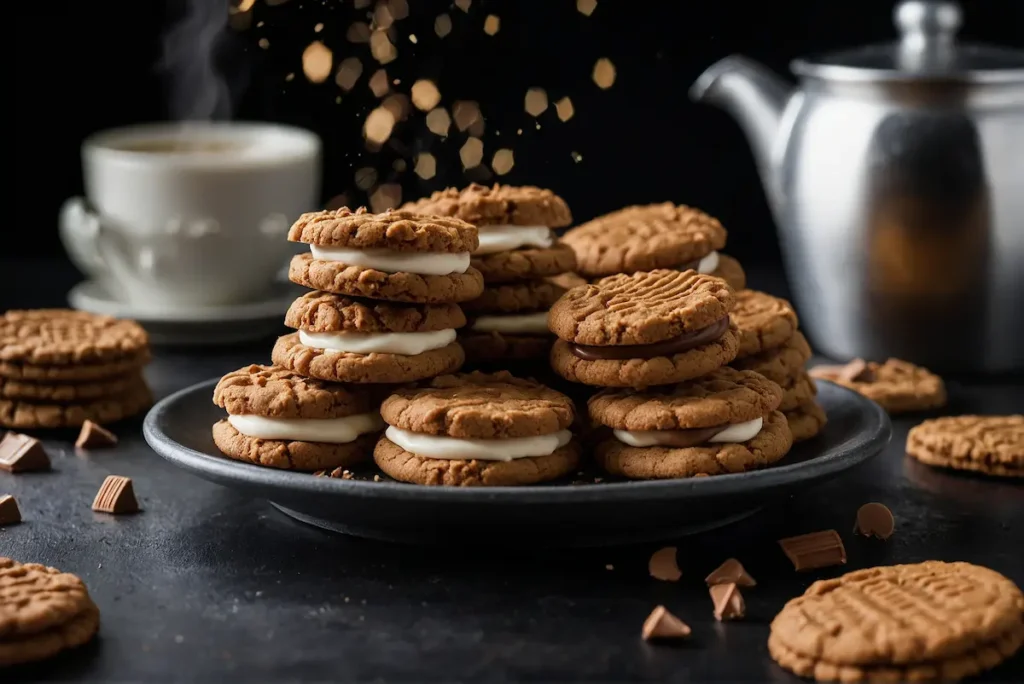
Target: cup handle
(80,231)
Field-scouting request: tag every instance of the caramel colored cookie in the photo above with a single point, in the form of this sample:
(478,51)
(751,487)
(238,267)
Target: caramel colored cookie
(927,621)
(291,455)
(722,397)
(510,298)
(806,421)
(78,372)
(35,598)
(642,308)
(993,445)
(765,322)
(58,337)
(649,463)
(42,645)
(644,238)
(23,415)
(731,272)
(479,406)
(497,205)
(326,312)
(357,281)
(399,231)
(373,368)
(279,393)
(797,391)
(406,467)
(780,364)
(66,392)
(898,386)
(523,264)
(488,347)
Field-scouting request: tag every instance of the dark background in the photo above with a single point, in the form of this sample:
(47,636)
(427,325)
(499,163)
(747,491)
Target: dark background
(85,66)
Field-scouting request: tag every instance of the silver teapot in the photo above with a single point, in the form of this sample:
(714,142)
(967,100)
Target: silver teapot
(896,176)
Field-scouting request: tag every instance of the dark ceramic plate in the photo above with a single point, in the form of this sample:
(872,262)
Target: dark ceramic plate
(576,513)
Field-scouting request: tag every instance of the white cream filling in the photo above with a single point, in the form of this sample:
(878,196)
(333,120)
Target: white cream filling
(390,261)
(330,430)
(503,238)
(406,344)
(734,434)
(708,264)
(432,446)
(531,323)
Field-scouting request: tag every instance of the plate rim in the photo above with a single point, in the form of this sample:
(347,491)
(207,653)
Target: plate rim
(223,468)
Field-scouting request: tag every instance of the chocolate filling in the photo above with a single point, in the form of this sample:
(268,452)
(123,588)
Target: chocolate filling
(677,345)
(690,437)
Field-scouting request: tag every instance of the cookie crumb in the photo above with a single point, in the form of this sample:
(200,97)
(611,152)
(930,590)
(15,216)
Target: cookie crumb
(9,512)
(94,436)
(875,520)
(815,550)
(116,495)
(730,572)
(21,454)
(663,625)
(609,567)
(663,566)
(728,600)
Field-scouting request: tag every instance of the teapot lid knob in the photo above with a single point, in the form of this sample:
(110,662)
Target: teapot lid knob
(927,23)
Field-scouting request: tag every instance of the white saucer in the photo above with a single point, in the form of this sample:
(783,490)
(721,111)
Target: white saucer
(210,325)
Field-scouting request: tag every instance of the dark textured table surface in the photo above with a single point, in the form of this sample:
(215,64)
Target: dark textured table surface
(205,585)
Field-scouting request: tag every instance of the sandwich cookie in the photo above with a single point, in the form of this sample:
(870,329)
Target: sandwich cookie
(280,419)
(798,391)
(782,364)
(644,329)
(648,237)
(765,322)
(343,339)
(724,422)
(515,228)
(398,256)
(477,429)
(806,420)
(993,445)
(898,386)
(510,322)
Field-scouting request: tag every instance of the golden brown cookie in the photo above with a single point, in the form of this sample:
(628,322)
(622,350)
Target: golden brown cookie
(797,391)
(993,445)
(46,644)
(24,415)
(806,420)
(66,392)
(78,372)
(326,312)
(644,238)
(496,205)
(523,264)
(731,272)
(489,347)
(521,305)
(529,295)
(61,337)
(765,322)
(898,386)
(291,454)
(928,621)
(399,231)
(780,364)
(275,392)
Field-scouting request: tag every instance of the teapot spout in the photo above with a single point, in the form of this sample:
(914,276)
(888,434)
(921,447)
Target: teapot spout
(756,98)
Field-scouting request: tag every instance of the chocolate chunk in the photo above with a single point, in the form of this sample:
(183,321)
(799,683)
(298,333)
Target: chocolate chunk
(730,572)
(728,600)
(677,345)
(94,436)
(116,495)
(875,520)
(663,566)
(814,550)
(663,625)
(9,513)
(21,454)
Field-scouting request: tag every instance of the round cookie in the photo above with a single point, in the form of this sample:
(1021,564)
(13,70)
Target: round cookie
(526,263)
(61,337)
(898,386)
(23,415)
(927,621)
(993,445)
(765,322)
(781,364)
(489,347)
(731,272)
(66,391)
(644,238)
(290,455)
(326,312)
(798,391)
(662,462)
(79,372)
(496,205)
(398,231)
(510,299)
(806,421)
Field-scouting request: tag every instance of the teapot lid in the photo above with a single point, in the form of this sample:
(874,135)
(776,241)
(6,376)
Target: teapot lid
(927,50)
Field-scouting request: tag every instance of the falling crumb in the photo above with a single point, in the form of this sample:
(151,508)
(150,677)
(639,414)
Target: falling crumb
(576,156)
(426,166)
(609,566)
(289,77)
(379,124)
(337,100)
(318,28)
(425,95)
(399,165)
(412,38)
(604,73)
(317,61)
(503,161)
(536,101)
(586,7)
(366,177)
(263,43)
(397,81)
(463,4)
(259,24)
(379,83)
(492,24)
(537,125)
(519,131)
(349,72)
(179,639)
(564,109)
(399,106)
(381,47)
(399,9)
(442,25)
(359,32)
(439,122)
(243,6)
(472,153)
(386,196)
(466,113)
(382,18)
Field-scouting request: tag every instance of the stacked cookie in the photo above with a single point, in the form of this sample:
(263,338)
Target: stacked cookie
(518,255)
(772,345)
(59,368)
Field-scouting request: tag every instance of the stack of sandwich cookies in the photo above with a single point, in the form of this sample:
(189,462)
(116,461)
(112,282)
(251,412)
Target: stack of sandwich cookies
(59,368)
(771,344)
(279,419)
(518,252)
(644,329)
(649,237)
(346,339)
(477,429)
(724,422)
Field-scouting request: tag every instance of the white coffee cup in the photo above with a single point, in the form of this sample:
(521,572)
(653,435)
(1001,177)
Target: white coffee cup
(182,216)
